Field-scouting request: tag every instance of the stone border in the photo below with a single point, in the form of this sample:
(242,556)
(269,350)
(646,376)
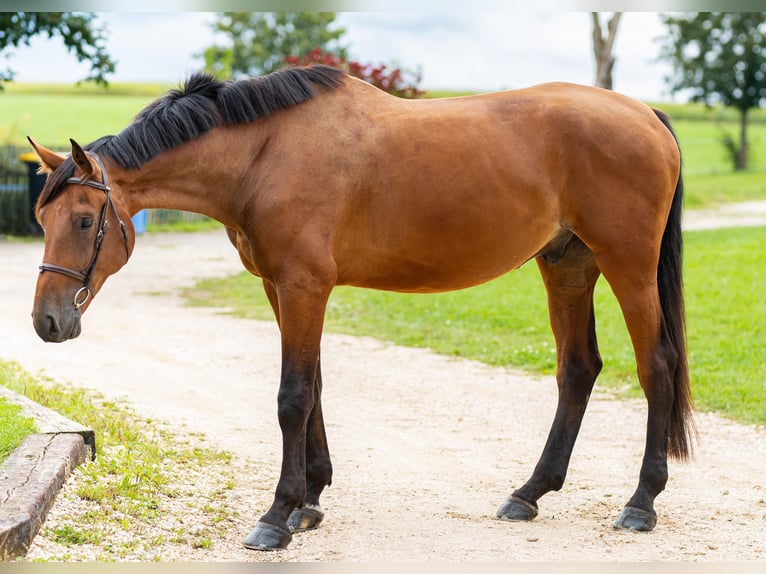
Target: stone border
(31,477)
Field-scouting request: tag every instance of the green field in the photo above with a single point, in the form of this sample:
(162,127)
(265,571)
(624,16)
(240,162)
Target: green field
(53,113)
(505,322)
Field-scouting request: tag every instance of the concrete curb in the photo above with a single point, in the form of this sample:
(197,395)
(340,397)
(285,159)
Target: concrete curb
(31,477)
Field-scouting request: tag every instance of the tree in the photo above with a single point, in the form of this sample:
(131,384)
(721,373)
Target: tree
(77,30)
(719,57)
(260,41)
(603,47)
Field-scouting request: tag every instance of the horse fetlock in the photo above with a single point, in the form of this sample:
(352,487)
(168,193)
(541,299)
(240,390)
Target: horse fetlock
(308,517)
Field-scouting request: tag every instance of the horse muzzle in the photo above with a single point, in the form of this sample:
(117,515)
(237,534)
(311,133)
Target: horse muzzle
(57,326)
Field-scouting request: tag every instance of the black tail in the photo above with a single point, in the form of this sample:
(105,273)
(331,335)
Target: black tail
(682,430)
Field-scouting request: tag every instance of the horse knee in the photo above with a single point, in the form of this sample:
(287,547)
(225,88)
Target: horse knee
(293,409)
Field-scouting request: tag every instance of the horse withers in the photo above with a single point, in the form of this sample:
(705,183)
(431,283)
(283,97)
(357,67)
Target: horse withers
(323,180)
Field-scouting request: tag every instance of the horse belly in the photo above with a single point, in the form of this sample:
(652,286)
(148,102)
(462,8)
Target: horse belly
(442,246)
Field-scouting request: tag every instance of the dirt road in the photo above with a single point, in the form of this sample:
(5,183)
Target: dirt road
(425,447)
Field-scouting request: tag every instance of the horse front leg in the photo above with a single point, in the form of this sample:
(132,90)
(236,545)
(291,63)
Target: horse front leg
(301,306)
(318,465)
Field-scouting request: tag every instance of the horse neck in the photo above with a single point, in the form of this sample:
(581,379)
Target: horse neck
(201,176)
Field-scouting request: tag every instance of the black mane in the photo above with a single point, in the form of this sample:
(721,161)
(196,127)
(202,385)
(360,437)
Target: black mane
(200,105)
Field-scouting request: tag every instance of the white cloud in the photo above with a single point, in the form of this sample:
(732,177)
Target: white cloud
(158,47)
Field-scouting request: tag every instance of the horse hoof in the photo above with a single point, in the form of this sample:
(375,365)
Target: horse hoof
(267,537)
(517,509)
(636,519)
(306,518)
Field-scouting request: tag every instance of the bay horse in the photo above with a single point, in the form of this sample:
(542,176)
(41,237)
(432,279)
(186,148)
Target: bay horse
(322,179)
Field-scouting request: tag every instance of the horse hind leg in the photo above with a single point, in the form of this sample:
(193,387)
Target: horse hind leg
(652,305)
(569,274)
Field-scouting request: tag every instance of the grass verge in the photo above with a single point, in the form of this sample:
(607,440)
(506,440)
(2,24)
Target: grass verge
(148,492)
(505,322)
(14,426)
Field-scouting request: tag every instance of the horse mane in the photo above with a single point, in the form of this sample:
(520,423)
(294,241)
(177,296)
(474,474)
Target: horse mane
(200,105)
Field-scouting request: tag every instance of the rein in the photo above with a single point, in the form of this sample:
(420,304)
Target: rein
(85,276)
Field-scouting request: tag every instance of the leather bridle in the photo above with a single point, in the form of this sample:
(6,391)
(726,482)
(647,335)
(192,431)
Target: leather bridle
(85,276)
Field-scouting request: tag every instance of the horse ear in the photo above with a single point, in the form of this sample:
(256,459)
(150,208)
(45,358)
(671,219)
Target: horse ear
(49,160)
(82,160)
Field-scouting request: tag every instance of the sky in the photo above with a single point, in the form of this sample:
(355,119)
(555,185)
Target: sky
(459,50)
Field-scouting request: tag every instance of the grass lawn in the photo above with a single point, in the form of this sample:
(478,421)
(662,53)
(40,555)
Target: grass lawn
(708,177)
(14,426)
(505,322)
(53,119)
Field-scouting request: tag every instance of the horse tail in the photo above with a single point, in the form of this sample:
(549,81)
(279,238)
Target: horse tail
(682,429)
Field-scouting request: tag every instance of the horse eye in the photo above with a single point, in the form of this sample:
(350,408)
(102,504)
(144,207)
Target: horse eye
(86,222)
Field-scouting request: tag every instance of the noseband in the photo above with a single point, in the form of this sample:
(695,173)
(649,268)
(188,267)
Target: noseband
(85,276)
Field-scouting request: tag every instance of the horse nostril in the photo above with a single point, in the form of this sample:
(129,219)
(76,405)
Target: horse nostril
(53,327)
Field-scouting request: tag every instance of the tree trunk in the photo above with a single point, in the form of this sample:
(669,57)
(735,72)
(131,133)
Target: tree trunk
(602,49)
(742,152)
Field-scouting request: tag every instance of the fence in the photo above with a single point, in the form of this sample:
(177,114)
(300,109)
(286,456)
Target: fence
(16,216)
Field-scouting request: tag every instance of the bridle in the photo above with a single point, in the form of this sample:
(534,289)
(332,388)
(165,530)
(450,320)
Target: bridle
(85,276)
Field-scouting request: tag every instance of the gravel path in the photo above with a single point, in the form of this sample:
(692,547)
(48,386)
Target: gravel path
(425,447)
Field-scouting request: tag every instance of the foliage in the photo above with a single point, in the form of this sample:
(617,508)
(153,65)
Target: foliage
(505,322)
(720,57)
(77,30)
(257,42)
(395,81)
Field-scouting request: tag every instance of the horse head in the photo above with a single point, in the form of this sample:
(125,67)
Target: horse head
(77,209)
